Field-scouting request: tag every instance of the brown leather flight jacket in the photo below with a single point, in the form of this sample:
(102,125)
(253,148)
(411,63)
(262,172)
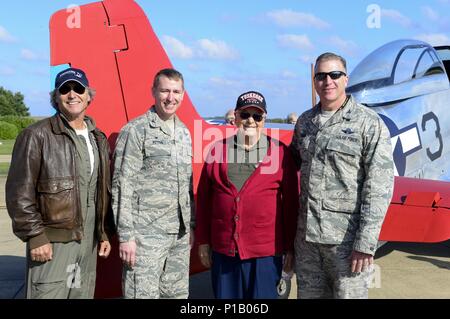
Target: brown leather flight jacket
(42,191)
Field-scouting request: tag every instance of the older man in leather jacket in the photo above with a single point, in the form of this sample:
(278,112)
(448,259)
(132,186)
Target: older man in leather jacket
(57,194)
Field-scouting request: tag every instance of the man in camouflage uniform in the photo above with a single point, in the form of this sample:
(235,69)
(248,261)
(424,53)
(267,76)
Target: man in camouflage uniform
(152,196)
(344,153)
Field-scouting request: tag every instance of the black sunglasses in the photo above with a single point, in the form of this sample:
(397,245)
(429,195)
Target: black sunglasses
(257,117)
(76,87)
(334,75)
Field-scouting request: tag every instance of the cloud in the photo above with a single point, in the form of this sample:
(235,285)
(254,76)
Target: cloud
(176,48)
(440,23)
(5,36)
(216,49)
(286,74)
(346,46)
(203,48)
(434,39)
(430,13)
(38,96)
(195,67)
(307,59)
(397,17)
(222,82)
(287,18)
(7,71)
(227,18)
(41,72)
(296,41)
(29,55)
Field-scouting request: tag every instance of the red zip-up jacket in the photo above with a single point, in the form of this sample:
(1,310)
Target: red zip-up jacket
(260,220)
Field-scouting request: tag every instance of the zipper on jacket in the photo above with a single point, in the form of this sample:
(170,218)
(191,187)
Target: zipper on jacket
(79,217)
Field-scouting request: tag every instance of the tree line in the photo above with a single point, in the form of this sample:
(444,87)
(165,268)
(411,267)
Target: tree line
(14,114)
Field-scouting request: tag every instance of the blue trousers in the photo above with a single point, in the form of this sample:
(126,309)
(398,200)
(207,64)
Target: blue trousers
(256,278)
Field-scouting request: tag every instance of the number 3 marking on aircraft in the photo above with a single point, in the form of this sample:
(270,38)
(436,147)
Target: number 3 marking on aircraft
(432,117)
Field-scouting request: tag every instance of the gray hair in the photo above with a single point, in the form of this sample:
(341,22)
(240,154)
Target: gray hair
(330,56)
(230,113)
(54,97)
(292,117)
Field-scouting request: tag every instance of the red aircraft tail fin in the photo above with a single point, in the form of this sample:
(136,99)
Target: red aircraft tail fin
(115,44)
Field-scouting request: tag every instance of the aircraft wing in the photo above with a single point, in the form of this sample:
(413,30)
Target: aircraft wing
(419,211)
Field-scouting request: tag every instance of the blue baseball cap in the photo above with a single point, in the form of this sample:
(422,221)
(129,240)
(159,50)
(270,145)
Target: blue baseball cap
(71,74)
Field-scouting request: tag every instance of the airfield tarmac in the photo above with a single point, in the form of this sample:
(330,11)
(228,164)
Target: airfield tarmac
(404,270)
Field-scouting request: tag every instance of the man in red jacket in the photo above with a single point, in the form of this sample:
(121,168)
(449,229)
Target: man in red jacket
(247,203)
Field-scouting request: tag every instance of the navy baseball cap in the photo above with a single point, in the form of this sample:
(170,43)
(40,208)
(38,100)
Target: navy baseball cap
(251,99)
(71,74)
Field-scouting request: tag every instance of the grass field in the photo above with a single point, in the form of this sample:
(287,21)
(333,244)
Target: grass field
(6,147)
(4,169)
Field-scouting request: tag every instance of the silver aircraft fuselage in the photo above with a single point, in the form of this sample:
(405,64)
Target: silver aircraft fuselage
(407,83)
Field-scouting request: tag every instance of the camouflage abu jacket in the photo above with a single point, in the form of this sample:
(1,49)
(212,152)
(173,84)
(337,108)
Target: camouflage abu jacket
(152,179)
(346,178)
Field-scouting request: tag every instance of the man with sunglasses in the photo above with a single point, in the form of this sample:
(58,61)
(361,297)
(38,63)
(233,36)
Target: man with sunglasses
(247,207)
(57,194)
(344,153)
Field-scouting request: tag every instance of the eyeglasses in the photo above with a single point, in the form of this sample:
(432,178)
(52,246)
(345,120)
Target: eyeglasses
(257,117)
(76,87)
(334,75)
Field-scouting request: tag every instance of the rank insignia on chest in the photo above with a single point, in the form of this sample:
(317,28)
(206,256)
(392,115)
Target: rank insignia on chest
(348,131)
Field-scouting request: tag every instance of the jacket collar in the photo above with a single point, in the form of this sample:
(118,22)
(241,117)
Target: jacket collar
(155,121)
(60,124)
(263,142)
(345,112)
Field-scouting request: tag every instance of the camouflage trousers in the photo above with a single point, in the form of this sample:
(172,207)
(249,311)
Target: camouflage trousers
(161,269)
(324,271)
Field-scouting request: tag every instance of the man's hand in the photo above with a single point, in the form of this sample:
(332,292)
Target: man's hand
(192,238)
(105,249)
(288,264)
(42,254)
(360,261)
(127,252)
(204,252)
